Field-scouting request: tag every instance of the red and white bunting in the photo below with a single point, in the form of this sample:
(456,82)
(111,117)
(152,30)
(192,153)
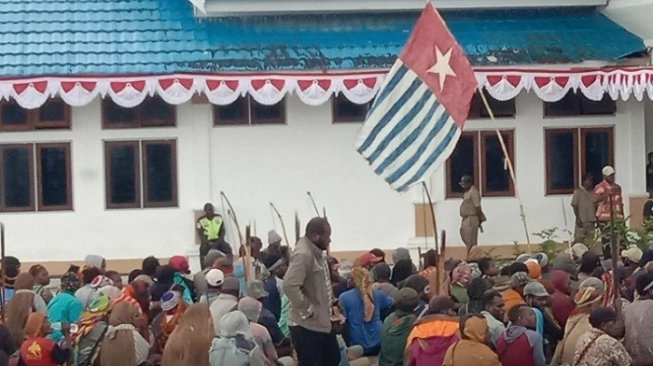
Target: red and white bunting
(317,88)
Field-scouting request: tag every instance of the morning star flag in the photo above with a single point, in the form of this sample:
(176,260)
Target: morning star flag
(416,120)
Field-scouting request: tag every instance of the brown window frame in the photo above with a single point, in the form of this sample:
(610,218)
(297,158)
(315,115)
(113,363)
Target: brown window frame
(32,205)
(139,121)
(69,203)
(34,121)
(337,118)
(480,163)
(509,140)
(248,119)
(579,135)
(108,145)
(173,169)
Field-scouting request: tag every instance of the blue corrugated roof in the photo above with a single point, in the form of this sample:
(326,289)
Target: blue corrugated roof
(160,36)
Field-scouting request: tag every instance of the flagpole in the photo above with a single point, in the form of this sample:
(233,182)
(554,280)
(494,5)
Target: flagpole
(510,168)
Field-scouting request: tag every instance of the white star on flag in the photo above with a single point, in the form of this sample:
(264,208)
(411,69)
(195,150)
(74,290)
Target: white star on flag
(442,66)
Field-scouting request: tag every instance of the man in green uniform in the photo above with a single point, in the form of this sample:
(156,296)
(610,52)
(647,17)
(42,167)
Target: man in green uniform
(210,229)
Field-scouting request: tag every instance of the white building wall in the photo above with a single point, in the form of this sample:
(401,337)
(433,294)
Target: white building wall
(255,165)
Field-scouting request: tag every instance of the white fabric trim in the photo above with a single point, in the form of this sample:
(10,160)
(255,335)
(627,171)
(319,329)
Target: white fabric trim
(317,88)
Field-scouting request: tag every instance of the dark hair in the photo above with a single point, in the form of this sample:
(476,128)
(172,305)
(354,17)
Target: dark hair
(506,271)
(12,266)
(401,271)
(602,315)
(440,304)
(111,273)
(89,274)
(643,282)
(517,267)
(378,252)
(484,264)
(381,272)
(270,259)
(598,272)
(133,274)
(150,264)
(489,296)
(416,282)
(317,225)
(476,288)
(587,176)
(517,312)
(430,258)
(588,262)
(164,274)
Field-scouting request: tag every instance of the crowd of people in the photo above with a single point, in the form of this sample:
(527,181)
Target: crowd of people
(277,306)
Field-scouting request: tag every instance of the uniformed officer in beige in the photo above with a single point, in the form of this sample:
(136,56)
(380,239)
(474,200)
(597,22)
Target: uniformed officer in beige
(470,212)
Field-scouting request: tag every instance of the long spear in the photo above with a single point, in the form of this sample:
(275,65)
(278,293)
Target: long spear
(232,215)
(283,226)
(297,227)
(310,196)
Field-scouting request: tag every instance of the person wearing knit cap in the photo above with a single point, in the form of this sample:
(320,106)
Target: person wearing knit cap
(182,269)
(631,257)
(514,295)
(37,350)
(589,297)
(65,308)
(225,302)
(252,309)
(96,261)
(92,327)
(396,328)
(256,290)
(165,322)
(234,344)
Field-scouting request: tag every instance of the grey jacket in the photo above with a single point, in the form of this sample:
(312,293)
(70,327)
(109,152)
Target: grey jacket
(305,284)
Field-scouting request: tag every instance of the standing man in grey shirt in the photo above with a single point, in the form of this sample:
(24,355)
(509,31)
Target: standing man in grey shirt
(584,204)
(308,286)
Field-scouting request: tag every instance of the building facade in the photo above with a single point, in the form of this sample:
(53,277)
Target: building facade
(122,119)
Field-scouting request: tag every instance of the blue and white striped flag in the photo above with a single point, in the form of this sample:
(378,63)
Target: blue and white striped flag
(416,120)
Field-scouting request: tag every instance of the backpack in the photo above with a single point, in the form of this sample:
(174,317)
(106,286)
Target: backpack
(429,351)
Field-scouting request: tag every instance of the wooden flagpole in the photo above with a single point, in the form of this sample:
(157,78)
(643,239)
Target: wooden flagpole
(511,170)
(437,278)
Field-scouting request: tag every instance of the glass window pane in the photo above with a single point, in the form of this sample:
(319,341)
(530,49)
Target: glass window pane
(17,178)
(346,111)
(596,152)
(461,162)
(122,174)
(232,114)
(601,107)
(561,160)
(497,179)
(13,114)
(569,105)
(268,113)
(156,112)
(159,165)
(54,110)
(117,115)
(54,176)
